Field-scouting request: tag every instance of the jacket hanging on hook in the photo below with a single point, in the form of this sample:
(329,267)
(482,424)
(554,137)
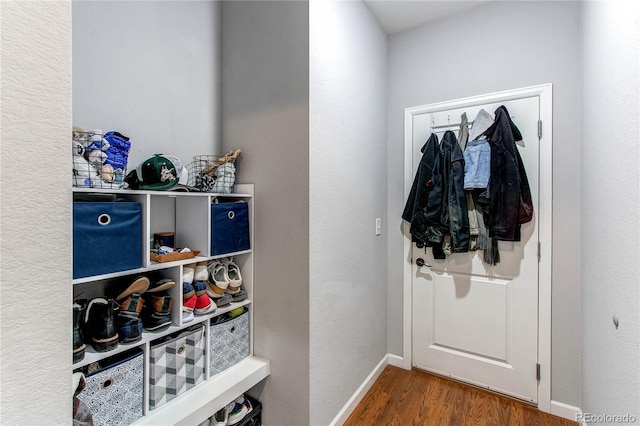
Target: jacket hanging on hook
(414,210)
(446,211)
(510,203)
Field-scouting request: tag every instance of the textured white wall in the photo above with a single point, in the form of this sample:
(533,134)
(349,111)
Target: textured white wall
(35,225)
(265,107)
(610,190)
(347,191)
(151,70)
(494,47)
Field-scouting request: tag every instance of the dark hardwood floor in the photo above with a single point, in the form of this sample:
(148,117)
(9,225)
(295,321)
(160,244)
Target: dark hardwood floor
(411,397)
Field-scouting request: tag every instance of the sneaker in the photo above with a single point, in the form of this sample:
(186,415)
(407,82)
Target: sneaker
(189,299)
(235,278)
(187,317)
(239,296)
(218,274)
(156,314)
(201,273)
(78,342)
(237,411)
(100,329)
(128,319)
(220,418)
(223,300)
(213,290)
(187,273)
(204,305)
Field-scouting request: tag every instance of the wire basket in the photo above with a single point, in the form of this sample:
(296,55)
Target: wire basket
(213,173)
(99,160)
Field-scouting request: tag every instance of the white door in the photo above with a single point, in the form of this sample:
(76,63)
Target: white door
(471,321)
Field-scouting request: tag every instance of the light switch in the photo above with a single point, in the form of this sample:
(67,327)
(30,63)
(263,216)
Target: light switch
(378,226)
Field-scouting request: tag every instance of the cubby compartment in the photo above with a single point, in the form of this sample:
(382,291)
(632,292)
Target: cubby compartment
(107,237)
(176,364)
(114,388)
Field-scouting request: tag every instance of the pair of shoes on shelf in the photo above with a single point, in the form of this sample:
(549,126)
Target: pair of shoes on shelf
(195,298)
(231,414)
(225,279)
(103,322)
(143,304)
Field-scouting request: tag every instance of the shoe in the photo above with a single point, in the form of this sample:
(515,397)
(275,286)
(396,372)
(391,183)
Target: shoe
(247,404)
(139,285)
(220,418)
(189,299)
(100,329)
(187,317)
(187,273)
(213,290)
(156,314)
(223,300)
(237,411)
(204,305)
(201,273)
(128,319)
(239,296)
(218,274)
(161,285)
(234,276)
(78,343)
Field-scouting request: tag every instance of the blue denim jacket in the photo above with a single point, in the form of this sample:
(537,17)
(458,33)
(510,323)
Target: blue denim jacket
(477,164)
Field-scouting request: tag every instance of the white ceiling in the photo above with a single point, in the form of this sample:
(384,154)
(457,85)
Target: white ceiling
(399,15)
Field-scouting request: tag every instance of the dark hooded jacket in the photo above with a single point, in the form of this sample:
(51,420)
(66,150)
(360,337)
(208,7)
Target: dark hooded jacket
(447,203)
(510,203)
(414,209)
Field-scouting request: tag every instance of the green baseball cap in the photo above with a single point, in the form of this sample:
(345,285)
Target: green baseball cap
(159,172)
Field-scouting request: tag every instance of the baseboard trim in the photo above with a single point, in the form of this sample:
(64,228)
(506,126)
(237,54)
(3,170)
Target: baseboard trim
(566,411)
(395,360)
(362,390)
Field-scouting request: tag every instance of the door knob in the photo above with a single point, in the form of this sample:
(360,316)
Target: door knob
(420,262)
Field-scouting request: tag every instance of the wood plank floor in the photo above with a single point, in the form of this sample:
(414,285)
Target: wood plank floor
(411,397)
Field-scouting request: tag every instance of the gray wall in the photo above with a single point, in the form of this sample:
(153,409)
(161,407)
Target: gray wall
(151,70)
(265,104)
(347,191)
(35,284)
(494,47)
(610,204)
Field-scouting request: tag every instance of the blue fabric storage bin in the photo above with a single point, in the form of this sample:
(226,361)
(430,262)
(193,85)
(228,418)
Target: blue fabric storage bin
(229,227)
(107,237)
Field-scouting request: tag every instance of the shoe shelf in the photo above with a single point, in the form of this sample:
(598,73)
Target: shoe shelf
(91,355)
(189,216)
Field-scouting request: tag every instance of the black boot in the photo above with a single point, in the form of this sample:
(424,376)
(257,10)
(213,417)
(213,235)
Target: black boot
(78,343)
(100,329)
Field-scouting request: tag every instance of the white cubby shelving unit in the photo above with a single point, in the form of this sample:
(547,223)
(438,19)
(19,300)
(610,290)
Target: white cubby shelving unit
(188,214)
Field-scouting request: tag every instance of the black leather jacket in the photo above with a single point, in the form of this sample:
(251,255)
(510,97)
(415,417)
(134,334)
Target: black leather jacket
(447,203)
(414,209)
(509,201)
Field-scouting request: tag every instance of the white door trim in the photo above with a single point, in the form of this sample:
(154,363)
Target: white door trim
(544,222)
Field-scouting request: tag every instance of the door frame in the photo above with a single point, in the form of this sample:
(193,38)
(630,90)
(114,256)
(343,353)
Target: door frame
(544,217)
